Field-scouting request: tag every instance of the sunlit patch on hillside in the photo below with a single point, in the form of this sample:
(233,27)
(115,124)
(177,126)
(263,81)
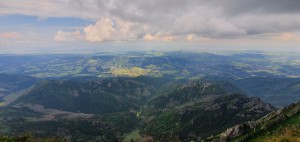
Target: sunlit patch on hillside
(132,72)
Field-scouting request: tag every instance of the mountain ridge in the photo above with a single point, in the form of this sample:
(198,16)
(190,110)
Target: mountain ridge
(279,125)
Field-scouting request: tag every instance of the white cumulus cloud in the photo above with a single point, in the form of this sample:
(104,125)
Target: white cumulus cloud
(62,36)
(107,29)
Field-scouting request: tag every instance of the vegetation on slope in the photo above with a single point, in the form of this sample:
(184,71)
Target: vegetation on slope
(198,109)
(278,126)
(97,96)
(12,86)
(29,138)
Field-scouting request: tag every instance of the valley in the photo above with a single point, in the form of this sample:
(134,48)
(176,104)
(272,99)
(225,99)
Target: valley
(141,97)
(268,76)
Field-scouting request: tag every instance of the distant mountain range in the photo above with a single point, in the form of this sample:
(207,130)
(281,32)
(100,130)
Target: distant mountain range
(251,71)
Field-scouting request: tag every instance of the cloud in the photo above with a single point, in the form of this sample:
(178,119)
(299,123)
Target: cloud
(21,38)
(193,37)
(158,37)
(10,38)
(287,37)
(102,30)
(107,29)
(67,36)
(10,35)
(164,20)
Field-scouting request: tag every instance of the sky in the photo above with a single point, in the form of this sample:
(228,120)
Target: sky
(69,25)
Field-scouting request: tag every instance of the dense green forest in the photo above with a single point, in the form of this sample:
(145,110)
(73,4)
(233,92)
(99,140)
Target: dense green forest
(113,109)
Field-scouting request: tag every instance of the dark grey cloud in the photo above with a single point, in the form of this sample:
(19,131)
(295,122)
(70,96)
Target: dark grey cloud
(138,9)
(236,7)
(210,18)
